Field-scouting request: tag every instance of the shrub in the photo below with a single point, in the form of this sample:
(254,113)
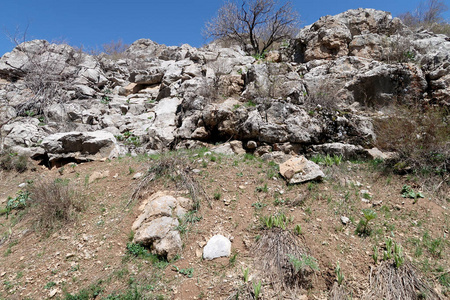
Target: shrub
(420,137)
(12,161)
(55,203)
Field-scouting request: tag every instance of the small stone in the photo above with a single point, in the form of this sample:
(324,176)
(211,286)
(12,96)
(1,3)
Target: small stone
(345,220)
(52,293)
(22,185)
(69,255)
(137,176)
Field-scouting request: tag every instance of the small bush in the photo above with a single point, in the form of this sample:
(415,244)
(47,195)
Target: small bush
(12,161)
(55,203)
(421,139)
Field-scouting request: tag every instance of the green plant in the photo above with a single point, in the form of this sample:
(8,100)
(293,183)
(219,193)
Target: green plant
(298,229)
(189,272)
(305,261)
(363,228)
(245,274)
(18,202)
(137,250)
(250,103)
(259,205)
(217,195)
(399,259)
(375,254)
(257,289)
(105,99)
(408,192)
(339,275)
(278,220)
(232,260)
(49,285)
(262,189)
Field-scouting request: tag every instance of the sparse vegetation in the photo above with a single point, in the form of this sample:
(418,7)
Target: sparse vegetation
(54,204)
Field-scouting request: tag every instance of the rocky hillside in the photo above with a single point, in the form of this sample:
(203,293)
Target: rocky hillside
(238,121)
(314,90)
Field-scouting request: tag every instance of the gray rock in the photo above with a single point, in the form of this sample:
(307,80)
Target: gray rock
(347,151)
(217,246)
(155,226)
(299,169)
(83,146)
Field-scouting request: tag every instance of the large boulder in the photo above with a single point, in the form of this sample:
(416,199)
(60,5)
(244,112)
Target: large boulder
(156,226)
(80,146)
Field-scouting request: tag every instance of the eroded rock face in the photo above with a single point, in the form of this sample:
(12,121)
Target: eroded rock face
(156,226)
(80,146)
(155,97)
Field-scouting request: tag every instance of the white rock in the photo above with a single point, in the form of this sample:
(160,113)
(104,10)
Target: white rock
(217,246)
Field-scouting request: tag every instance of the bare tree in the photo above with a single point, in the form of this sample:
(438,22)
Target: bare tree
(260,23)
(427,13)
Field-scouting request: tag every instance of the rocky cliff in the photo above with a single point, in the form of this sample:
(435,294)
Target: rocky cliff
(323,87)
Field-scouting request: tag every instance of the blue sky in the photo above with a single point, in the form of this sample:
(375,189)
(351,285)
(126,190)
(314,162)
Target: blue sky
(92,23)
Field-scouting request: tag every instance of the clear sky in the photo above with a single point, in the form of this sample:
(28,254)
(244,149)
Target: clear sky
(92,23)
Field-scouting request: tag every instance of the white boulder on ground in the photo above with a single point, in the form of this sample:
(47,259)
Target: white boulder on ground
(217,246)
(299,169)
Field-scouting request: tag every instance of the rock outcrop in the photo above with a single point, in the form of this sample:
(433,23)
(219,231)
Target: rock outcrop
(155,97)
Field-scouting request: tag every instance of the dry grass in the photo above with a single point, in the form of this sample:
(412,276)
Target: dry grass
(339,292)
(388,282)
(11,161)
(420,137)
(177,168)
(272,252)
(54,204)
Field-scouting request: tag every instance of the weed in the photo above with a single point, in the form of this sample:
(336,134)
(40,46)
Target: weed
(339,275)
(298,229)
(375,254)
(49,285)
(408,192)
(189,272)
(217,195)
(305,261)
(257,289)
(232,260)
(18,202)
(137,250)
(278,220)
(245,274)
(327,160)
(363,228)
(259,205)
(262,189)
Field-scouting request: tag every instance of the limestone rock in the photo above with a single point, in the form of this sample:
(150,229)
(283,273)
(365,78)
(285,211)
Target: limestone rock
(299,169)
(156,226)
(82,146)
(217,246)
